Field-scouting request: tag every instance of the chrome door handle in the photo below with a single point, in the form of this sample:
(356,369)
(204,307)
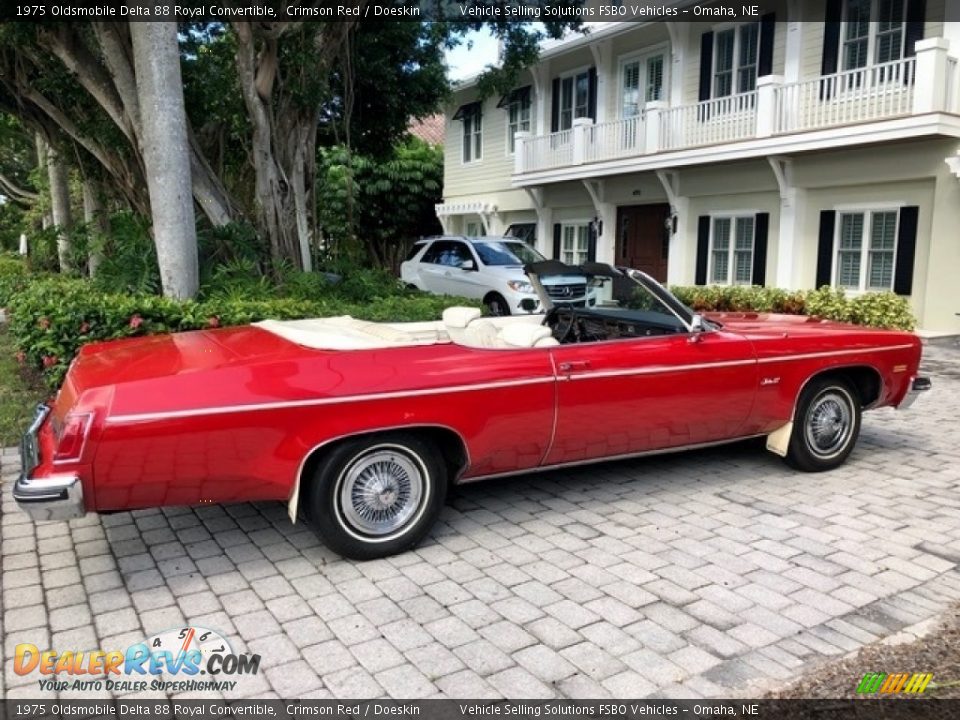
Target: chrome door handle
(574,366)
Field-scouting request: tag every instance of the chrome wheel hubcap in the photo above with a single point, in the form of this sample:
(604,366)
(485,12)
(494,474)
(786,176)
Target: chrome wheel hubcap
(381,491)
(829,423)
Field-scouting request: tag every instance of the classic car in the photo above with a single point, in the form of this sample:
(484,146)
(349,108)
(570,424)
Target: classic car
(362,426)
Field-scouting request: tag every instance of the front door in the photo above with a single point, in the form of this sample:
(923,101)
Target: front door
(643,239)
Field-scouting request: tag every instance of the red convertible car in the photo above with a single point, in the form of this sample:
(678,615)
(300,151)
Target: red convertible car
(362,426)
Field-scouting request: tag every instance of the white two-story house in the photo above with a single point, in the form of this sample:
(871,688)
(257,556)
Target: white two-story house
(780,151)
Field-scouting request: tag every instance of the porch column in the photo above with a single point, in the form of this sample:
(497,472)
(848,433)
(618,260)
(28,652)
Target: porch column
(767,104)
(790,235)
(519,151)
(682,243)
(580,139)
(930,78)
(606,241)
(545,231)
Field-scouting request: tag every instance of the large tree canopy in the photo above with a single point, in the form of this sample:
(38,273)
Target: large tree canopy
(259,96)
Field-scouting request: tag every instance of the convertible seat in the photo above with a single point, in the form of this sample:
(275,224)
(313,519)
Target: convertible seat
(456,319)
(522,335)
(348,333)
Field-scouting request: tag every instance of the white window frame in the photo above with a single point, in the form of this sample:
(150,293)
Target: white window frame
(873,30)
(735,67)
(572,75)
(575,225)
(642,58)
(867,211)
(476,134)
(469,225)
(731,249)
(512,128)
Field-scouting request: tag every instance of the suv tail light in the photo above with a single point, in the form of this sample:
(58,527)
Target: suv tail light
(73,436)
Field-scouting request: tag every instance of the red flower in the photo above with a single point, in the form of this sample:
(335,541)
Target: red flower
(136,321)
(21,357)
(84,328)
(213,321)
(44,323)
(49,361)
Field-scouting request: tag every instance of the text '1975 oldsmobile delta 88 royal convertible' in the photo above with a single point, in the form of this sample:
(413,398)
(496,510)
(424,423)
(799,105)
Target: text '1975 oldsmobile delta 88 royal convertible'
(362,426)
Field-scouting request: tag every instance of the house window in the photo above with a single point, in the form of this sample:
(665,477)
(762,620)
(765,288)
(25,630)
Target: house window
(574,243)
(474,229)
(471,116)
(731,250)
(574,98)
(634,91)
(864,42)
(518,116)
(866,250)
(736,56)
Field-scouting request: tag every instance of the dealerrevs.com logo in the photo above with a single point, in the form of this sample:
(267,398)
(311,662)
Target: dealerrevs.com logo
(894,683)
(178,660)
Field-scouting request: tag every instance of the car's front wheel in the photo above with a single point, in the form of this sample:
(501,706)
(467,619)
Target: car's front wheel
(497,305)
(826,425)
(378,495)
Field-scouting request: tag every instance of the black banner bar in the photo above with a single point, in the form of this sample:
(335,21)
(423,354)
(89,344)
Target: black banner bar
(872,709)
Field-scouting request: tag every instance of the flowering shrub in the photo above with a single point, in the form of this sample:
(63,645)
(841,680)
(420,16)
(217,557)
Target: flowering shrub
(51,318)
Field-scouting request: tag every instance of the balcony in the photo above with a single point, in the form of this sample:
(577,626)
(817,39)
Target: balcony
(927,83)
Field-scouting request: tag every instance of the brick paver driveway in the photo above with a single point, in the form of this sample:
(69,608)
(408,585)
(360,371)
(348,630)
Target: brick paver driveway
(704,574)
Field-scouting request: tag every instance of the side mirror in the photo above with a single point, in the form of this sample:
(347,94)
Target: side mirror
(468,265)
(528,305)
(696,327)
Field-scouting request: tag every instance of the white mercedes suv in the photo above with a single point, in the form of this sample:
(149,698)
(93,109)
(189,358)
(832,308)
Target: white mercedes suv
(489,269)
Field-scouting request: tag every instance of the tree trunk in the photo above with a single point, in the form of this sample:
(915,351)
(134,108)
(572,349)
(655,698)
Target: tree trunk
(166,155)
(60,205)
(96,221)
(46,220)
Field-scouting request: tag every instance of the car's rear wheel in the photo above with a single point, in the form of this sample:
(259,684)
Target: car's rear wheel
(826,425)
(497,305)
(377,495)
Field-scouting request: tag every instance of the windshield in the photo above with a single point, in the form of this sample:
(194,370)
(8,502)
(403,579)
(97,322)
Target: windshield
(506,252)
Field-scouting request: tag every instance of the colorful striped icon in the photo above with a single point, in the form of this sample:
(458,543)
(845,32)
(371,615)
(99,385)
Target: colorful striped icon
(911,683)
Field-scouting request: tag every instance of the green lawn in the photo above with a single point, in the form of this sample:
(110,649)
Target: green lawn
(17,397)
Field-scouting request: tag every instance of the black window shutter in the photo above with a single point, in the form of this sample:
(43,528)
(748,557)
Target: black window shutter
(906,250)
(768,26)
(760,231)
(831,38)
(592,242)
(556,241)
(592,94)
(828,221)
(703,249)
(706,65)
(555,106)
(916,15)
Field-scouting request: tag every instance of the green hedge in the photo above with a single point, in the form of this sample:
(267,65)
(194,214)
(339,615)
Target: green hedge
(13,278)
(51,318)
(873,309)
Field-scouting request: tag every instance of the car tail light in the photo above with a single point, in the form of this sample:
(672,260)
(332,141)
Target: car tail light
(73,435)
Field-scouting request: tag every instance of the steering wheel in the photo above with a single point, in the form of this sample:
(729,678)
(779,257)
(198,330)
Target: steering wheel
(565,327)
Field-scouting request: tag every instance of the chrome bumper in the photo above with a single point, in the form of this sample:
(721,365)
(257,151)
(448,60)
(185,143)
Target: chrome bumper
(58,497)
(918,386)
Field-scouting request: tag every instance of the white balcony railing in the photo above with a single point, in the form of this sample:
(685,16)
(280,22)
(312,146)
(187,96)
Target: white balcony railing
(720,120)
(610,140)
(856,96)
(548,151)
(928,82)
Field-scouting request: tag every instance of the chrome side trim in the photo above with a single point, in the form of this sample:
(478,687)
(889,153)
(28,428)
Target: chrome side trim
(198,412)
(832,353)
(624,456)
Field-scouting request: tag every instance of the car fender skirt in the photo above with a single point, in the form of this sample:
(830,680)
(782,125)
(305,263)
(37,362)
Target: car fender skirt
(779,440)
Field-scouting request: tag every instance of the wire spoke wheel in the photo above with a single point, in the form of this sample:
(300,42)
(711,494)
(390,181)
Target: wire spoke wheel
(381,491)
(829,423)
